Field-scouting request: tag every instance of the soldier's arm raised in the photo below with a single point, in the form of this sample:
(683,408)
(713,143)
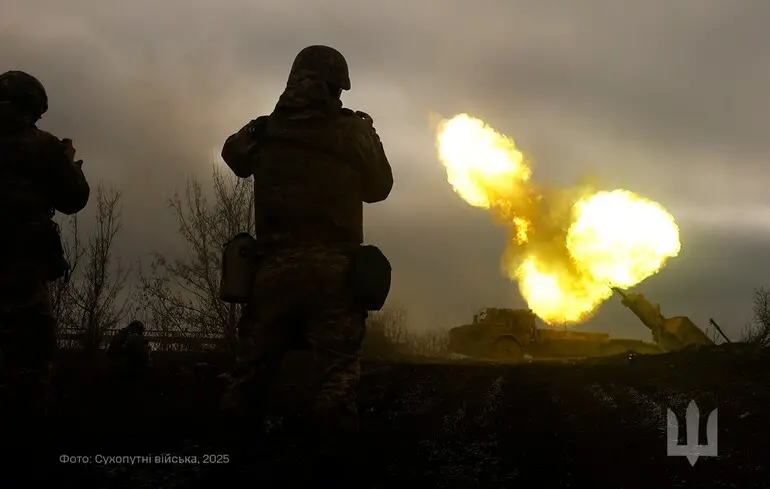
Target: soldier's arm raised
(239,149)
(376,172)
(68,185)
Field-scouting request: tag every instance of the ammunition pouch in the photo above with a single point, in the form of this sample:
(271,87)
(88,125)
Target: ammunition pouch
(240,261)
(370,277)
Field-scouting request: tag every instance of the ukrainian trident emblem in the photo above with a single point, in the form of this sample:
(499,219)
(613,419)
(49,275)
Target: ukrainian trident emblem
(692,449)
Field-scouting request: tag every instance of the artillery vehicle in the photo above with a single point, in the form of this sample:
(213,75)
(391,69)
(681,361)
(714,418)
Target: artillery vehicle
(510,334)
(669,334)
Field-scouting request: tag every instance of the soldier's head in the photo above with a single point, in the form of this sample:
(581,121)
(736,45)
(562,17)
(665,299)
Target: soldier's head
(22,95)
(325,64)
(136,327)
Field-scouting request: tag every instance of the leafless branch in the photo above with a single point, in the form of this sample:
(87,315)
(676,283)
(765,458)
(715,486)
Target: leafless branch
(183,294)
(757,332)
(98,278)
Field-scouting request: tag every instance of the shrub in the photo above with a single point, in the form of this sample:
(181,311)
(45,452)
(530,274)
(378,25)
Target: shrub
(757,332)
(388,337)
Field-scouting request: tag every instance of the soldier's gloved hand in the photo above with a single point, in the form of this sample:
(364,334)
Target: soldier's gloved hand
(69,151)
(257,127)
(368,118)
(365,116)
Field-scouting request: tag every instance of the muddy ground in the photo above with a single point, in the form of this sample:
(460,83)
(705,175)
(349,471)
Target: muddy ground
(451,424)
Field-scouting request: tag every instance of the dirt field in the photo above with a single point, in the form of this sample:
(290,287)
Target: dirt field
(591,424)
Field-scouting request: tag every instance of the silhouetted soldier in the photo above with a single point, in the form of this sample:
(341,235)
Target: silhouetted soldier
(129,358)
(38,176)
(314,165)
(129,351)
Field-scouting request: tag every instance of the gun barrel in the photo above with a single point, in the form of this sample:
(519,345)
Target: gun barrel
(619,292)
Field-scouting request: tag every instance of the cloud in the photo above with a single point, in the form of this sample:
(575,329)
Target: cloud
(667,99)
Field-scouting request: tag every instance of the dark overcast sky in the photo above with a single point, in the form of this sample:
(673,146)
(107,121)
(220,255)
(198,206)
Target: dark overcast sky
(668,99)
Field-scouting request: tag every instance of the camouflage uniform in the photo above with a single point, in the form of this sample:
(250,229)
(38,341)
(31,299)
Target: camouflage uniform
(314,165)
(38,175)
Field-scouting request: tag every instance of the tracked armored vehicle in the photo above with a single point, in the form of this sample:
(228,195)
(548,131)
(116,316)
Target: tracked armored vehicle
(512,334)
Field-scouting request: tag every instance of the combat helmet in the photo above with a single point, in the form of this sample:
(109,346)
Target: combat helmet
(324,62)
(136,327)
(23,91)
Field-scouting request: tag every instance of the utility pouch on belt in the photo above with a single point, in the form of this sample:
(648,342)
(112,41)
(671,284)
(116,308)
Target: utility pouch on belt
(370,277)
(239,264)
(44,242)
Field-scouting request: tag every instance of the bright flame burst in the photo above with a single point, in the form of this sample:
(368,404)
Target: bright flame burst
(566,246)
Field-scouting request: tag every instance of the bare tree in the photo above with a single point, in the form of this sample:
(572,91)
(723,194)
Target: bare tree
(757,332)
(386,334)
(432,344)
(91,302)
(182,295)
(60,290)
(391,321)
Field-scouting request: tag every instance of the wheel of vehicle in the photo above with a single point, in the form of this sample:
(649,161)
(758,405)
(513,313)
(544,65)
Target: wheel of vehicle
(507,348)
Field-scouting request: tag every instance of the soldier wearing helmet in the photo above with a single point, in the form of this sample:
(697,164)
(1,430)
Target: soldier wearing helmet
(314,164)
(130,348)
(129,360)
(38,176)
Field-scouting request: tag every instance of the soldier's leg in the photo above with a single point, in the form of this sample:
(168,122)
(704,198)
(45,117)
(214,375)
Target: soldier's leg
(335,335)
(263,341)
(28,345)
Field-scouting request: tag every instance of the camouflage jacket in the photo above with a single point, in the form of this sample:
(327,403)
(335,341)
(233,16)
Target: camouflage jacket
(314,164)
(37,176)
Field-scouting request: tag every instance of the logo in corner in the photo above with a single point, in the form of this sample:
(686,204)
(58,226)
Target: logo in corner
(692,449)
